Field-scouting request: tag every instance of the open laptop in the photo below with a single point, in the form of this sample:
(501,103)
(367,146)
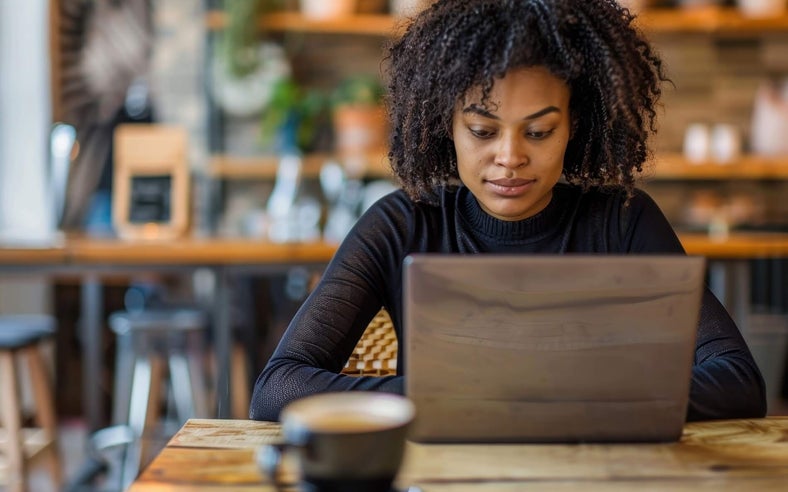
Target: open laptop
(548,348)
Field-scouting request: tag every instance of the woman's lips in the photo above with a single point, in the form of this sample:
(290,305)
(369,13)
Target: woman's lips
(510,187)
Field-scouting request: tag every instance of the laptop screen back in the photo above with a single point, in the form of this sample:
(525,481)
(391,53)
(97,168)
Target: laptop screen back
(550,348)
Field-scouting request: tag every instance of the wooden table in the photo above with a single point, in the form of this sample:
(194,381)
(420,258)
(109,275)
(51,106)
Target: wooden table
(745,455)
(92,258)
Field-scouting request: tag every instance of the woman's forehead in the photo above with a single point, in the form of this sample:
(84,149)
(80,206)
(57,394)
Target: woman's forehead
(527,82)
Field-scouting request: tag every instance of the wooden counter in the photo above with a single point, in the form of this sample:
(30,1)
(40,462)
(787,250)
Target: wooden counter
(15,254)
(737,245)
(212,455)
(205,251)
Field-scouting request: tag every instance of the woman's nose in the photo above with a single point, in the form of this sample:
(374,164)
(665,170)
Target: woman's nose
(511,152)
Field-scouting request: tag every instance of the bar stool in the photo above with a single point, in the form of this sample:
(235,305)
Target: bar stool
(21,335)
(145,341)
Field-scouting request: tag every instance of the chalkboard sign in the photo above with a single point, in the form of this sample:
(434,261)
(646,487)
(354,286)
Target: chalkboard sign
(150,197)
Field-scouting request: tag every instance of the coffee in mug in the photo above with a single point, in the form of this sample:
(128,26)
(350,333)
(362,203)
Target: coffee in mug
(349,441)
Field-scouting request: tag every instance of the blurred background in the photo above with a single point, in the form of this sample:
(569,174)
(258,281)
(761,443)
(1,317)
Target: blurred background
(281,106)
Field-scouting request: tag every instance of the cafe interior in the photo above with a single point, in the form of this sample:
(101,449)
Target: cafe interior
(175,174)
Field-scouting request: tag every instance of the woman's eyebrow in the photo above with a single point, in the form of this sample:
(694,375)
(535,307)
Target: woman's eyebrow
(476,109)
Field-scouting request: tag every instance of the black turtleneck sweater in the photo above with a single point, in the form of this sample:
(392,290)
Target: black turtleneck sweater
(366,273)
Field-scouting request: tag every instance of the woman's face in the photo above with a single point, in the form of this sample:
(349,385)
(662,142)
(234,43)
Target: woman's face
(511,154)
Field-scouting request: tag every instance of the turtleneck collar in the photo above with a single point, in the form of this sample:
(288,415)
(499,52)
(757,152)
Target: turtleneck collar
(531,229)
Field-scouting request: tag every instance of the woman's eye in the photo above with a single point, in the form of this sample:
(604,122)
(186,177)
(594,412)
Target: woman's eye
(539,135)
(480,132)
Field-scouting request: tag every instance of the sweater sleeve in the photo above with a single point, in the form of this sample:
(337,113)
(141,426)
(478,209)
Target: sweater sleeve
(321,336)
(726,382)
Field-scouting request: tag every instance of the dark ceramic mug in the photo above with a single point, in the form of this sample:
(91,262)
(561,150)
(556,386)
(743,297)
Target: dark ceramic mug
(349,441)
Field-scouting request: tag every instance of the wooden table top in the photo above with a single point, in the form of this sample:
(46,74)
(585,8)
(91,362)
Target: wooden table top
(219,251)
(213,455)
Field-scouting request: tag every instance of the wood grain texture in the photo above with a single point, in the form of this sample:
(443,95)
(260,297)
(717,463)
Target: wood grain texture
(210,455)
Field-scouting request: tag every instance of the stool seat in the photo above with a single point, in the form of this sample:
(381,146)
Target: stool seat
(166,319)
(21,330)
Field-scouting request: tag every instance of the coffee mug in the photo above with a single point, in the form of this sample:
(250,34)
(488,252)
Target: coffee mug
(349,441)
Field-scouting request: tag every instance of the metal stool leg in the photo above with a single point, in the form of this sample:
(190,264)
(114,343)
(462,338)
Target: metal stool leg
(145,400)
(124,364)
(182,384)
(140,394)
(195,355)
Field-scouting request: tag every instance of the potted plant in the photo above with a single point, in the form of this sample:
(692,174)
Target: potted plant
(294,120)
(246,69)
(359,117)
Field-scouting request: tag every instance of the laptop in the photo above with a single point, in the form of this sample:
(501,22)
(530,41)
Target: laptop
(550,348)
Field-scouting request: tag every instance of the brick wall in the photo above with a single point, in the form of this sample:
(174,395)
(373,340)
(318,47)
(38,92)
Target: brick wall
(716,78)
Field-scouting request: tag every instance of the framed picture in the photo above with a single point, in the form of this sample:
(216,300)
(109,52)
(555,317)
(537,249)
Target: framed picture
(151,188)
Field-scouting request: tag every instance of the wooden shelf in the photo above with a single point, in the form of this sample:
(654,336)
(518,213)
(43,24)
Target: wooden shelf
(676,167)
(264,167)
(689,20)
(361,24)
(712,20)
(668,167)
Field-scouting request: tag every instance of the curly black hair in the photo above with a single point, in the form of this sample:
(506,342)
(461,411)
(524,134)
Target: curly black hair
(614,76)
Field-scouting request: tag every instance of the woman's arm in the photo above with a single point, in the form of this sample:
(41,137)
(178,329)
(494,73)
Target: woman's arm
(726,382)
(324,331)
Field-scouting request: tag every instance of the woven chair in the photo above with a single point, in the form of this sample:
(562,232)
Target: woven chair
(376,352)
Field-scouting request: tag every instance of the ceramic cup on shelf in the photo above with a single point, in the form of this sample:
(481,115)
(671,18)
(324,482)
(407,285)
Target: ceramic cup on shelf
(324,9)
(697,142)
(725,145)
(761,8)
(352,440)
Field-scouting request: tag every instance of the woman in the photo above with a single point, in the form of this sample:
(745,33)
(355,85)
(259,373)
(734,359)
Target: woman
(492,103)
